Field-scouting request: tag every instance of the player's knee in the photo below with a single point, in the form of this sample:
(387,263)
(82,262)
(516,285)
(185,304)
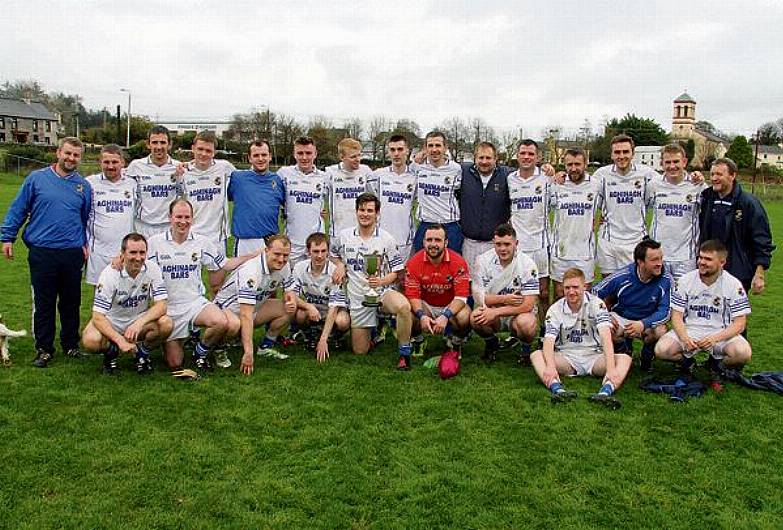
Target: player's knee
(536,355)
(343,321)
(165,326)
(92,342)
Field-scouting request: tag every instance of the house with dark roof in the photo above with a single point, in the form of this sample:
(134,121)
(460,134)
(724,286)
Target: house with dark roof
(771,155)
(27,122)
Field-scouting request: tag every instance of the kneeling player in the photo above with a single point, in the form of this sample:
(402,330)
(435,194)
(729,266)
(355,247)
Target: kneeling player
(322,305)
(248,300)
(578,341)
(505,288)
(122,319)
(709,313)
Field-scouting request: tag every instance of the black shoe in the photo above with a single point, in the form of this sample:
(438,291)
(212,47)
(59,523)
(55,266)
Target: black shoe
(202,364)
(523,358)
(646,361)
(109,366)
(563,396)
(143,366)
(606,400)
(42,359)
(75,353)
(491,347)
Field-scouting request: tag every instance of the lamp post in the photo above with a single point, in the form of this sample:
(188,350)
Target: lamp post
(127,136)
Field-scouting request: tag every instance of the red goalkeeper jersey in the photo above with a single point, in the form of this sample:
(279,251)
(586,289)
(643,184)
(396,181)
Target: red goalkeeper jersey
(437,284)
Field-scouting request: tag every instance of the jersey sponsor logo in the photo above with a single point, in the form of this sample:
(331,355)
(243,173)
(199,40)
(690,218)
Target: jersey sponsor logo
(133,301)
(158,190)
(674,210)
(527,203)
(396,197)
(433,189)
(625,197)
(304,197)
(113,205)
(127,194)
(194,256)
(218,180)
(177,271)
(205,194)
(703,310)
(738,215)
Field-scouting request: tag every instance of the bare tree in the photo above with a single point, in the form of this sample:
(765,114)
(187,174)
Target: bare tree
(457,134)
(379,132)
(286,131)
(355,128)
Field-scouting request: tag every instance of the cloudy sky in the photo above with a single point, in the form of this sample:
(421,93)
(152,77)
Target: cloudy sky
(529,65)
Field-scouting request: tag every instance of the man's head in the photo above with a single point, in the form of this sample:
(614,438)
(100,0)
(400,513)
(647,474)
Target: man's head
(180,216)
(435,241)
(397,149)
(350,152)
(69,154)
(317,248)
(204,146)
(648,256)
(158,143)
(435,145)
(486,157)
(259,155)
(674,161)
(134,252)
(504,240)
(527,155)
(278,248)
(368,207)
(574,286)
(305,153)
(111,161)
(723,173)
(712,257)
(622,147)
(575,163)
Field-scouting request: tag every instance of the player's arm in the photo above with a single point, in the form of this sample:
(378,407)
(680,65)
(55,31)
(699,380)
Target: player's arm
(678,325)
(736,327)
(550,366)
(322,349)
(153,313)
(246,336)
(527,305)
(16,216)
(105,328)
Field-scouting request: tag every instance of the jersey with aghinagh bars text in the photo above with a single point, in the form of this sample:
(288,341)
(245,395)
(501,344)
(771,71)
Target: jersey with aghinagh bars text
(206,191)
(436,192)
(111,217)
(156,187)
(675,222)
(305,196)
(709,307)
(577,331)
(529,209)
(122,298)
(396,193)
(342,189)
(252,283)
(575,208)
(524,280)
(318,290)
(623,202)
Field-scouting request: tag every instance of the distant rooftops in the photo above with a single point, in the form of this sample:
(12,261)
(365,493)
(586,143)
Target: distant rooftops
(23,108)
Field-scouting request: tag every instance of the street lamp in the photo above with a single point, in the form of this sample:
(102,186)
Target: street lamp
(127,137)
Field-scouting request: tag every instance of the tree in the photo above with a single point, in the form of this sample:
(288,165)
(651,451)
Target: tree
(770,134)
(457,134)
(321,130)
(378,132)
(690,149)
(741,152)
(410,130)
(24,89)
(481,132)
(355,128)
(644,131)
(287,130)
(508,145)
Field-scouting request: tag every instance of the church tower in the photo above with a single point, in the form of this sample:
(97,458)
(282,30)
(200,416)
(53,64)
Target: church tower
(684,117)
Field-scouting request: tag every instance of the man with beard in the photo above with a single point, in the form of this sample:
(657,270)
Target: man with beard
(638,296)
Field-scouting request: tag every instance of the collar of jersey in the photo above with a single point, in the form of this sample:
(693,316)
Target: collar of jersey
(170,237)
(124,273)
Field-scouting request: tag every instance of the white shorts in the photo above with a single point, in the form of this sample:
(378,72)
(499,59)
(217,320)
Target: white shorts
(183,315)
(611,256)
(242,247)
(149,230)
(541,258)
(559,266)
(678,268)
(717,349)
(95,265)
(298,253)
(365,317)
(580,361)
(472,249)
(405,252)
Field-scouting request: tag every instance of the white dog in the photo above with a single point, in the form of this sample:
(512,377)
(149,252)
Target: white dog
(6,334)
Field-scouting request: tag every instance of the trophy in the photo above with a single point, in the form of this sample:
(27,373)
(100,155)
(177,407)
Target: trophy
(372,266)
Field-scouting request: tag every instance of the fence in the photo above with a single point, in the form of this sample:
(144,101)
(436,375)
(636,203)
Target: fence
(22,165)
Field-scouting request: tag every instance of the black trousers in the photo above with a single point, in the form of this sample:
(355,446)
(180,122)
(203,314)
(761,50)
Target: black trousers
(56,278)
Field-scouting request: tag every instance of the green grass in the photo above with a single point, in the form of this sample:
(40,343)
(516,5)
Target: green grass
(354,444)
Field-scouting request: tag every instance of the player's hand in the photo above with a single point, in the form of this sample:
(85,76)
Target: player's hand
(339,274)
(313,314)
(439,324)
(549,375)
(374,282)
(290,305)
(8,250)
(689,344)
(697,177)
(479,315)
(706,343)
(86,252)
(420,156)
(132,331)
(117,262)
(559,177)
(246,364)
(757,285)
(634,329)
(126,347)
(547,169)
(181,167)
(426,324)
(514,299)
(322,350)
(615,327)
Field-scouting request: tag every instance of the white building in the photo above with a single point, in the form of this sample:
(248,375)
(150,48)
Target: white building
(648,155)
(194,126)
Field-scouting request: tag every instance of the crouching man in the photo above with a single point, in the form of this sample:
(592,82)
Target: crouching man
(129,310)
(709,313)
(578,341)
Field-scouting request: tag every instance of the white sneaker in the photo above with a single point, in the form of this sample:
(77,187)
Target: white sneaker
(222,360)
(271,353)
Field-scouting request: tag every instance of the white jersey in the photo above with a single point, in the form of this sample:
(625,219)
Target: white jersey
(492,278)
(342,189)
(575,209)
(436,192)
(530,209)
(156,188)
(111,217)
(396,192)
(206,191)
(709,307)
(122,298)
(318,289)
(251,284)
(623,202)
(181,264)
(350,247)
(305,197)
(577,331)
(675,222)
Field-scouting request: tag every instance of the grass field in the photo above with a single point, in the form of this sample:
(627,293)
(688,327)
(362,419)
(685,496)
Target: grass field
(354,444)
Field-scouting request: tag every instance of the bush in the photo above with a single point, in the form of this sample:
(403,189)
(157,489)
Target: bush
(32,152)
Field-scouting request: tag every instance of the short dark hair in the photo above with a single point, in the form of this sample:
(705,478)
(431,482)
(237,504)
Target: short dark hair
(206,136)
(528,142)
(435,134)
(259,143)
(159,129)
(505,229)
(268,240)
(620,138)
(730,164)
(714,245)
(316,238)
(576,151)
(304,140)
(366,197)
(438,226)
(486,145)
(177,201)
(640,251)
(133,236)
(397,138)
(113,149)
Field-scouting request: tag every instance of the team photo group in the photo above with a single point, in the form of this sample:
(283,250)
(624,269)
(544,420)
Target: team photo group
(574,267)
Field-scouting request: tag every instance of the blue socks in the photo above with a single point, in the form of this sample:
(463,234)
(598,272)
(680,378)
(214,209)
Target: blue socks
(607,389)
(556,387)
(406,350)
(268,341)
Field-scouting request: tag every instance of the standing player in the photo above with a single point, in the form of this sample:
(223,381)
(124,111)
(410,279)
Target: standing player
(322,305)
(180,256)
(622,197)
(129,310)
(396,188)
(157,183)
(258,196)
(528,189)
(578,341)
(709,313)
(350,247)
(437,284)
(505,290)
(344,183)
(437,187)
(575,211)
(675,204)
(113,207)
(305,196)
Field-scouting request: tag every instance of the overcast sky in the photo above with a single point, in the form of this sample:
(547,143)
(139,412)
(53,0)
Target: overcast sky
(529,65)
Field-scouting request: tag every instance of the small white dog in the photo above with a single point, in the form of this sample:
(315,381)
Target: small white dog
(6,334)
